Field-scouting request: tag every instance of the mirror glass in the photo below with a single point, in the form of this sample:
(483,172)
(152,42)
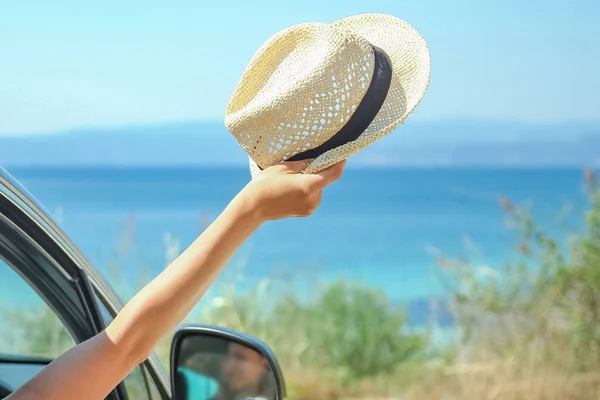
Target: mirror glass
(215,368)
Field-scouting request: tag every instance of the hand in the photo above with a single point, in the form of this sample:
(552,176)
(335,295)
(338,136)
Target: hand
(283,191)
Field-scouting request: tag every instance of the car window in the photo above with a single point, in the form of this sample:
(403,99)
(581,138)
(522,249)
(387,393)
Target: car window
(137,384)
(28,326)
(154,392)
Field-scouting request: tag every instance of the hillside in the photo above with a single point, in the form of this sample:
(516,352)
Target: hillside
(448,143)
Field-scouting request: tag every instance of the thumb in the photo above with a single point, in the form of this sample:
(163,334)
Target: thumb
(297,166)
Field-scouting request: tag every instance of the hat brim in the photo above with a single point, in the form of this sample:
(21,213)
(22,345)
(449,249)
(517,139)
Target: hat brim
(411,62)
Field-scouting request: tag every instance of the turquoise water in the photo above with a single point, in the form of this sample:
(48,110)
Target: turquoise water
(382,226)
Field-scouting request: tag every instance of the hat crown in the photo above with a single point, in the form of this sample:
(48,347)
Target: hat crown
(299,89)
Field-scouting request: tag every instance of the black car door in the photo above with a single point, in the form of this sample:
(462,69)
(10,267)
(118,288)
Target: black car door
(48,303)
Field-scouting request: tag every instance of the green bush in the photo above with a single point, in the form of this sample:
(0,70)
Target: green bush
(347,327)
(354,329)
(534,325)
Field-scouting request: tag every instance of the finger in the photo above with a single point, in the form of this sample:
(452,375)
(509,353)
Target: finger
(327,176)
(316,199)
(297,166)
(312,203)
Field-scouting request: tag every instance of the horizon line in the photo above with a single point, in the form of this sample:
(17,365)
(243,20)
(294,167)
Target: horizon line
(242,166)
(210,121)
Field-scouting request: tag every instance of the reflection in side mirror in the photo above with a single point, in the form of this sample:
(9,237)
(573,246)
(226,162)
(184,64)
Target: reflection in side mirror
(212,363)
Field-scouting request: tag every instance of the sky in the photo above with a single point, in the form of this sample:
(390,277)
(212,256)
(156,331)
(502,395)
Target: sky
(66,64)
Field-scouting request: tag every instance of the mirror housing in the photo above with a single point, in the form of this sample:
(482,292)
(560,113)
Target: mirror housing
(214,363)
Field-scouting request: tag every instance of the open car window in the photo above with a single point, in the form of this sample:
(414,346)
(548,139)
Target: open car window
(31,334)
(29,328)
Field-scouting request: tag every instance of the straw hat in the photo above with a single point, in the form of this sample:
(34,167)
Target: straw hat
(326,91)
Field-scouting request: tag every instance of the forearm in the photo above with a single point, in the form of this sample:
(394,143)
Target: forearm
(90,370)
(164,302)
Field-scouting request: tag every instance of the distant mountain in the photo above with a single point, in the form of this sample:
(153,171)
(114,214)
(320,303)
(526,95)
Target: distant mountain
(447,143)
(192,143)
(579,148)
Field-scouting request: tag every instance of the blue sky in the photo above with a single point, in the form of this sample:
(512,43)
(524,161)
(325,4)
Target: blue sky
(66,64)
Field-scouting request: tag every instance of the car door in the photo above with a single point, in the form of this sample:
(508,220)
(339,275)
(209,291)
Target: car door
(51,298)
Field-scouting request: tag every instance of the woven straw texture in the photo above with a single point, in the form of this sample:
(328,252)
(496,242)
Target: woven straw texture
(304,83)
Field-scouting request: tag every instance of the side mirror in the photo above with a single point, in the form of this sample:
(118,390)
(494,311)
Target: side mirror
(213,363)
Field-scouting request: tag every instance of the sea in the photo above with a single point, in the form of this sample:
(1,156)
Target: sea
(384,227)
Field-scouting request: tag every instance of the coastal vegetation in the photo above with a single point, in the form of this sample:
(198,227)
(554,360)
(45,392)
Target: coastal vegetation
(527,330)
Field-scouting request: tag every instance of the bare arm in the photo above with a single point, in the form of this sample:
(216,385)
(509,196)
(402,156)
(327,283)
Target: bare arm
(94,368)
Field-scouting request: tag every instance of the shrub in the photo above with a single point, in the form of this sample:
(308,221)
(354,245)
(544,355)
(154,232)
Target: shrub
(354,329)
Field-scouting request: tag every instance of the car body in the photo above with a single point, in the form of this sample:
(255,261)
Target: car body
(45,259)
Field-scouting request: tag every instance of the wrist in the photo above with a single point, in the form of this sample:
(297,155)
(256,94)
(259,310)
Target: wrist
(248,208)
